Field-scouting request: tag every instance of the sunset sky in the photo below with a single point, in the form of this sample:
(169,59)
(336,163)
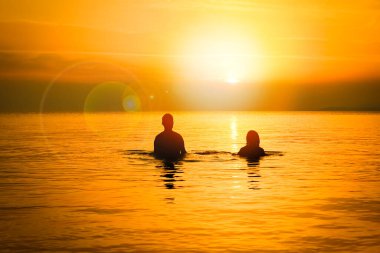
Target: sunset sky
(235,55)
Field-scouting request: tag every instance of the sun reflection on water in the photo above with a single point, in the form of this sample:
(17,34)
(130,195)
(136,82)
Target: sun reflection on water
(234,133)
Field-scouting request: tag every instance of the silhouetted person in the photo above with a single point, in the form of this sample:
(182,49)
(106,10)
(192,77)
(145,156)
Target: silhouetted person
(252,150)
(169,144)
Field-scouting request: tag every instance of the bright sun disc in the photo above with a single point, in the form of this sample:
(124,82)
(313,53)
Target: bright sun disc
(232,79)
(221,58)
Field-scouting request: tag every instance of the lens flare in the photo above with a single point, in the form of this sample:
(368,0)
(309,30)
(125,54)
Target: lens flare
(94,94)
(131,102)
(112,96)
(109,97)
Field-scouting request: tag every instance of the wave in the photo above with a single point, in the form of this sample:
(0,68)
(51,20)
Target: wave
(138,152)
(193,156)
(211,152)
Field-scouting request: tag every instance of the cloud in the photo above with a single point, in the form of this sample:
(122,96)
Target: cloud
(47,37)
(301,7)
(198,5)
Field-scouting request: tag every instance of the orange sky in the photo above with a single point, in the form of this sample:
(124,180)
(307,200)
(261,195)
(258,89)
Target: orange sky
(181,44)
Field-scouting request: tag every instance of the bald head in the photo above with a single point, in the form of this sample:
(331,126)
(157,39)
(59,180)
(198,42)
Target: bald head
(168,121)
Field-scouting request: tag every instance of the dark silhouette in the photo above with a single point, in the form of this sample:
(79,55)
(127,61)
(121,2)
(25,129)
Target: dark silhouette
(168,144)
(252,150)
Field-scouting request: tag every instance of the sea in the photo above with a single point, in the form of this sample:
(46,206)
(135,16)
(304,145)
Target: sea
(88,182)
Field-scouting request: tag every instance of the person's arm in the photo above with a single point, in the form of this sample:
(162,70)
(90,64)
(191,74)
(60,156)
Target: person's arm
(155,145)
(240,153)
(183,150)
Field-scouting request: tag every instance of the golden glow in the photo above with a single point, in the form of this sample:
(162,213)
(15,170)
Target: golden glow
(277,41)
(203,52)
(232,78)
(224,55)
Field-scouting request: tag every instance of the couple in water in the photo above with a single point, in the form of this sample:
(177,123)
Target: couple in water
(170,145)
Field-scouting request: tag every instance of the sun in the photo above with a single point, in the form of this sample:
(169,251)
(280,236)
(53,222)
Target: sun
(225,58)
(216,64)
(232,79)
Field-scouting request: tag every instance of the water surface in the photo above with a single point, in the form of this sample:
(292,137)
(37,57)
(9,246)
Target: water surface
(88,182)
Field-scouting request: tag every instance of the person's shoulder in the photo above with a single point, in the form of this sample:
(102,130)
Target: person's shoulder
(177,135)
(159,135)
(243,151)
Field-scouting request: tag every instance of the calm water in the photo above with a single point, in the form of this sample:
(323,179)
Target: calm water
(75,182)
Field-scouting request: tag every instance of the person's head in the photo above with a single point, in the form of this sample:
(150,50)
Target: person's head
(253,138)
(167,121)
